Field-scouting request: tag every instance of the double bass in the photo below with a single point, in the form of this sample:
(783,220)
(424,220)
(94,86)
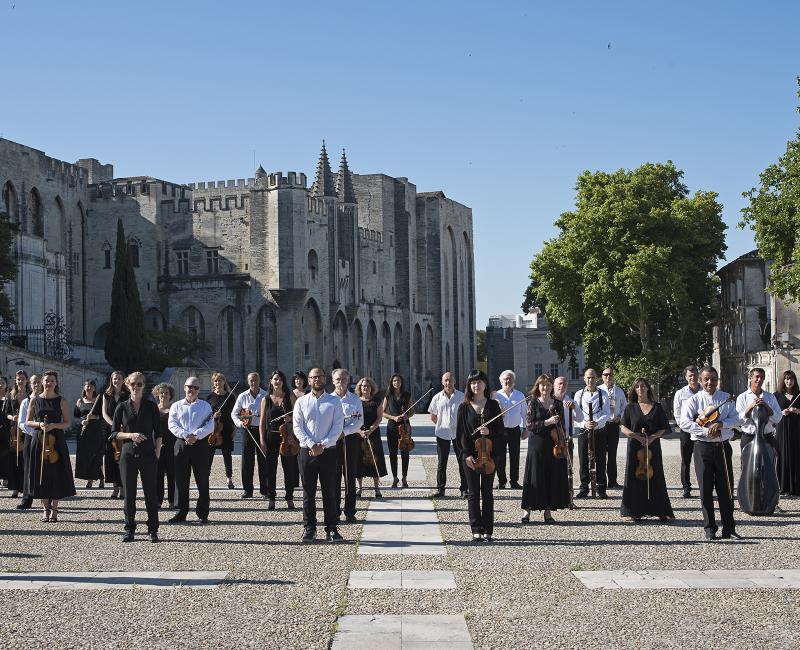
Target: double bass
(759,488)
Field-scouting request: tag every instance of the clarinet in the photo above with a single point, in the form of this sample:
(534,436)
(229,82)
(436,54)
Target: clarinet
(592,459)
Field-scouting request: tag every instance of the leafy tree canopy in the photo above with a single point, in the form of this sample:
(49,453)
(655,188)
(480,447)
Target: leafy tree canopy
(631,272)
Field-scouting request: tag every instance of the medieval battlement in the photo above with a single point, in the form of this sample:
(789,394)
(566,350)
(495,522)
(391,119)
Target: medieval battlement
(370,235)
(239,184)
(66,173)
(146,188)
(296,180)
(220,202)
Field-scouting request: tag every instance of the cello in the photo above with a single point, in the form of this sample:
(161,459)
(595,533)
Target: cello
(759,489)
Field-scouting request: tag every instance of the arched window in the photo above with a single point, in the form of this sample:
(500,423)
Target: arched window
(11,202)
(133,251)
(106,255)
(36,214)
(313,264)
(194,324)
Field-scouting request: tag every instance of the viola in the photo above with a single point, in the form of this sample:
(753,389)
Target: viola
(559,438)
(484,463)
(406,442)
(215,438)
(290,445)
(16,439)
(49,451)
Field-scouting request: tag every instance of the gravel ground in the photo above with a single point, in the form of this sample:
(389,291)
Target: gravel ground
(516,593)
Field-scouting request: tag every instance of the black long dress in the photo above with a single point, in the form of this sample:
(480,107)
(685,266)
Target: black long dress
(634,495)
(111,465)
(221,402)
(51,480)
(545,484)
(15,467)
(91,444)
(367,470)
(788,433)
(6,454)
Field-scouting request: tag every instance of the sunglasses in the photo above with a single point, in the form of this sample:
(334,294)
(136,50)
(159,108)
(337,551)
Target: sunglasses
(606,374)
(137,384)
(192,387)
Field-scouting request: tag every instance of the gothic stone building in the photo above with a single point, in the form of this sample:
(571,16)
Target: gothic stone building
(360,271)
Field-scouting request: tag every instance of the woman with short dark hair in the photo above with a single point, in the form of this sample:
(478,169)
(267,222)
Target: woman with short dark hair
(788,434)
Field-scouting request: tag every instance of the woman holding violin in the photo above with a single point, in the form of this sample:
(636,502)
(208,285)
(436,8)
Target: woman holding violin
(478,425)
(222,404)
(274,428)
(48,415)
(397,409)
(788,434)
(91,443)
(545,485)
(372,462)
(16,458)
(644,422)
(114,394)
(164,393)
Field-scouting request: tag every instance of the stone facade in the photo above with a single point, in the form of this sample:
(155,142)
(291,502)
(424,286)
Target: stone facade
(520,343)
(359,271)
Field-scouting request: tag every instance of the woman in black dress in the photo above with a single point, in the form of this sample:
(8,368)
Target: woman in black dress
(644,420)
(6,439)
(278,402)
(788,432)
(477,409)
(48,414)
(395,404)
(164,394)
(545,485)
(115,393)
(375,467)
(91,444)
(16,465)
(222,403)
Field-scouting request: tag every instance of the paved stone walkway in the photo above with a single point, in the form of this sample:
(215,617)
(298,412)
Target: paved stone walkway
(402,579)
(390,632)
(401,526)
(112,580)
(691,579)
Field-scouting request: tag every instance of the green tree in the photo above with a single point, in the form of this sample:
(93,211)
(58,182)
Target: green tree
(125,344)
(8,268)
(481,344)
(773,214)
(171,348)
(631,272)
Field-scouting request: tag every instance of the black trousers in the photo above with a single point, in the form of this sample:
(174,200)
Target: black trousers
(28,468)
(687,449)
(480,501)
(348,452)
(249,457)
(510,440)
(132,465)
(15,463)
(714,473)
(443,453)
(227,458)
(612,442)
(192,458)
(166,470)
(320,468)
(599,455)
(271,467)
(393,438)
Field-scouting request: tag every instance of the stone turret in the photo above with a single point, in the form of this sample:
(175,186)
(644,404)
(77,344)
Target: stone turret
(260,172)
(323,182)
(344,182)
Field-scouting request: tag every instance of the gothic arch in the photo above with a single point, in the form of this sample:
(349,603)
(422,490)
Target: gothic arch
(431,364)
(11,202)
(35,213)
(134,247)
(386,355)
(100,335)
(341,341)
(311,327)
(400,356)
(416,356)
(229,339)
(194,324)
(154,320)
(454,292)
(470,297)
(56,231)
(266,340)
(313,265)
(358,349)
(372,352)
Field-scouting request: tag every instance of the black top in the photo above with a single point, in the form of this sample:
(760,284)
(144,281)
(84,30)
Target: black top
(216,402)
(6,409)
(370,409)
(468,421)
(537,414)
(111,404)
(396,406)
(41,407)
(634,419)
(270,411)
(146,422)
(82,409)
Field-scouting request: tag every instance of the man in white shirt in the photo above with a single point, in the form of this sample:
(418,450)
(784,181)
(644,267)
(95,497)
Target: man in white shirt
(513,400)
(349,445)
(444,410)
(617,402)
(250,400)
(748,400)
(318,421)
(585,424)
(692,375)
(712,451)
(191,420)
(28,461)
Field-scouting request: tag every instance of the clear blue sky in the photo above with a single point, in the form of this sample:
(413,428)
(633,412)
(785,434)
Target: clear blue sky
(501,106)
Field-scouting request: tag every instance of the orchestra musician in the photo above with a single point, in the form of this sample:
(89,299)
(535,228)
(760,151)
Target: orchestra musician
(617,401)
(444,415)
(692,375)
(250,401)
(222,405)
(29,462)
(789,435)
(397,408)
(584,427)
(91,444)
(164,393)
(275,409)
(349,445)
(16,464)
(748,400)
(513,402)
(372,409)
(115,393)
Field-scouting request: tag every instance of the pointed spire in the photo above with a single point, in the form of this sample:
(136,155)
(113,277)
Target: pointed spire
(260,172)
(344,182)
(323,183)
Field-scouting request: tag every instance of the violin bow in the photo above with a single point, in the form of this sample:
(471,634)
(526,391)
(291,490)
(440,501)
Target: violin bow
(230,392)
(503,412)
(415,403)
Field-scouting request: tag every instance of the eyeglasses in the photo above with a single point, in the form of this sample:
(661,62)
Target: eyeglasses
(192,387)
(316,377)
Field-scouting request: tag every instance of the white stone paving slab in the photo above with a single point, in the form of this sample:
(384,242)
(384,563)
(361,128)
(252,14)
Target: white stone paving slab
(401,580)
(395,632)
(402,526)
(93,580)
(691,579)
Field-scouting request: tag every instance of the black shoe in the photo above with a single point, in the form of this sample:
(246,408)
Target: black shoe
(501,486)
(731,534)
(246,495)
(176,519)
(438,493)
(378,494)
(24,505)
(516,486)
(687,494)
(487,539)
(153,537)
(549,519)
(128,536)
(614,486)
(202,520)
(309,535)
(271,504)
(710,534)
(395,482)
(583,494)
(476,538)
(525,518)
(602,495)
(290,504)
(463,494)
(351,519)
(404,483)
(334,536)
(358,493)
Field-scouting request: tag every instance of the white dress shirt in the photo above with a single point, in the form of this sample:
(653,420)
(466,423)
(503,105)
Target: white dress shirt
(617,401)
(517,406)
(680,398)
(318,420)
(580,409)
(695,405)
(446,411)
(191,418)
(22,417)
(247,401)
(351,405)
(746,424)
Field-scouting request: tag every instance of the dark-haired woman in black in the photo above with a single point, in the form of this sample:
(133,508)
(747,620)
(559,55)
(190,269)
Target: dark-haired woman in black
(788,434)
(395,404)
(277,403)
(299,384)
(644,419)
(91,443)
(477,409)
(222,403)
(115,393)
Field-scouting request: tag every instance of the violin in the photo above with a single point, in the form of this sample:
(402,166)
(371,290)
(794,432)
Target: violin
(16,439)
(484,463)
(215,438)
(290,445)
(644,461)
(49,452)
(367,455)
(559,437)
(406,442)
(711,413)
(246,416)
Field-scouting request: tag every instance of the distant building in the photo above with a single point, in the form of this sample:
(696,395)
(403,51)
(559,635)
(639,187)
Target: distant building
(755,328)
(519,343)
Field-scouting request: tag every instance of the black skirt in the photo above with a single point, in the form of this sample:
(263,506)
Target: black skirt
(52,480)
(90,451)
(635,502)
(545,484)
(367,470)
(788,435)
